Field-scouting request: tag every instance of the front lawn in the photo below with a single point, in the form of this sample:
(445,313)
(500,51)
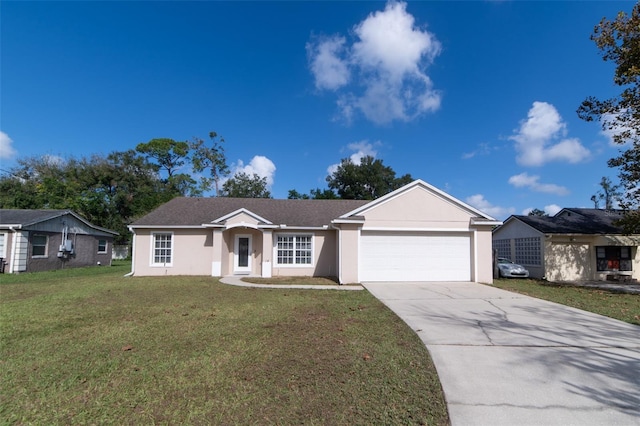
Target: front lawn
(625,307)
(92,347)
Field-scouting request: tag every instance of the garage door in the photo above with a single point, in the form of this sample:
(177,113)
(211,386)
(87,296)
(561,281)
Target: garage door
(412,256)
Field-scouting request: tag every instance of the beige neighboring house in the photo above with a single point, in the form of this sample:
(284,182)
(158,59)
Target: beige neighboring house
(416,233)
(43,239)
(574,245)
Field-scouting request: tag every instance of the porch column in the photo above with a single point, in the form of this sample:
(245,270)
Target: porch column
(267,252)
(216,261)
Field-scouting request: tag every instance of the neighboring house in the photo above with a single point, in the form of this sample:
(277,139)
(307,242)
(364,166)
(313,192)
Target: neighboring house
(40,240)
(574,245)
(416,233)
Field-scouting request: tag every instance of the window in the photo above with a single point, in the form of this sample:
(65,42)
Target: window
(294,250)
(39,246)
(162,249)
(613,258)
(528,251)
(102,246)
(503,247)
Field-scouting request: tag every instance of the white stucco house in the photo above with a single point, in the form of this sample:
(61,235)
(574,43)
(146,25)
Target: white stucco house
(574,245)
(416,233)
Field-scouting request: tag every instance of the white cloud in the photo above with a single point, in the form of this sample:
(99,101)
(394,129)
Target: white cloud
(541,138)
(478,201)
(7,151)
(552,209)
(524,180)
(330,70)
(390,55)
(259,165)
(360,149)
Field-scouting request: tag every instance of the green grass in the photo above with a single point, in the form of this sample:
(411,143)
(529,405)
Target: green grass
(88,346)
(625,307)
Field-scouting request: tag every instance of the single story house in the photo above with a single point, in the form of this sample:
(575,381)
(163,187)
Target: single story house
(40,240)
(573,245)
(416,233)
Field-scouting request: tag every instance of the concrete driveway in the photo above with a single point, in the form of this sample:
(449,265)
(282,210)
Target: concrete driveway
(508,359)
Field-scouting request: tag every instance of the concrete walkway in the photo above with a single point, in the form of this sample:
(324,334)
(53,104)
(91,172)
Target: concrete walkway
(509,359)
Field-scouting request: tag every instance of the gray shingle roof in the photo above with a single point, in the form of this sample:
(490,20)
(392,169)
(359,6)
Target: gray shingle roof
(576,221)
(193,211)
(28,217)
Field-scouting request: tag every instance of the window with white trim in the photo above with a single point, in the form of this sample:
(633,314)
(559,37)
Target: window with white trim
(162,253)
(39,246)
(102,246)
(294,250)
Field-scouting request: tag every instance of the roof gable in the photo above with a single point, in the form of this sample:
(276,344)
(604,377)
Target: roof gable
(409,199)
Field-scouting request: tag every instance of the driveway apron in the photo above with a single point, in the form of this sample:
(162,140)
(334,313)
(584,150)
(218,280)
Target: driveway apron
(509,359)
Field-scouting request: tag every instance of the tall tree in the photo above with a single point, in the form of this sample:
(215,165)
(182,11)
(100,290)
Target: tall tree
(619,42)
(608,192)
(365,181)
(169,157)
(241,185)
(211,158)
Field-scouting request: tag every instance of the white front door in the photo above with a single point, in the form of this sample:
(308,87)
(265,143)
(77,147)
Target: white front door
(242,255)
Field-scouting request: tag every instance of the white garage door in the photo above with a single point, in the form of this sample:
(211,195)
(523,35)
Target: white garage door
(413,256)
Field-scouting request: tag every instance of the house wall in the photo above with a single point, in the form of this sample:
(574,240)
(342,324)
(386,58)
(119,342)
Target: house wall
(569,258)
(192,252)
(85,252)
(349,245)
(482,262)
(324,256)
(417,208)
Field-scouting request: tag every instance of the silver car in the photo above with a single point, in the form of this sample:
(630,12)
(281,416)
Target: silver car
(508,269)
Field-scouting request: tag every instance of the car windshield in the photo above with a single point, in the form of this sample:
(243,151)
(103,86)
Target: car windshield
(504,261)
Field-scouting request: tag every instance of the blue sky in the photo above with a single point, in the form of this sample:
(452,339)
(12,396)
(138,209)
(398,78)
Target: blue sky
(478,98)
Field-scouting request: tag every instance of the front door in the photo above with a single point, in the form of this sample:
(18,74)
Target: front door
(242,255)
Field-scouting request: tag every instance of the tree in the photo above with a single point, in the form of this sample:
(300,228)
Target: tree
(241,185)
(295,195)
(609,194)
(169,157)
(538,212)
(619,42)
(210,158)
(365,181)
(314,194)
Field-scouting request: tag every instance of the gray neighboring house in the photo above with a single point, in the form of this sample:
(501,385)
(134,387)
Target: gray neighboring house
(41,240)
(574,245)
